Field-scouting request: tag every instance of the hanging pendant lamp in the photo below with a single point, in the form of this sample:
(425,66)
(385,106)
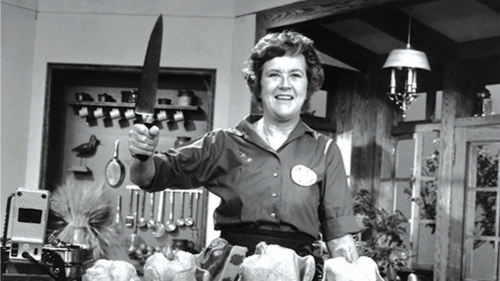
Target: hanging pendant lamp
(408,60)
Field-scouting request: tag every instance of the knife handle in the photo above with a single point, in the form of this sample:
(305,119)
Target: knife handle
(143,158)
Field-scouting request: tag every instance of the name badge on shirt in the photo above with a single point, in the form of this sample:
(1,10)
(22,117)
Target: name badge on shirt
(303,175)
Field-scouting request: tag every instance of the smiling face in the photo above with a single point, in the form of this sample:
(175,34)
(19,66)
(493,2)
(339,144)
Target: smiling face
(284,87)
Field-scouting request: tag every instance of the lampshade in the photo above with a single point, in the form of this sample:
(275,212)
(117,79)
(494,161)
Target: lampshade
(410,58)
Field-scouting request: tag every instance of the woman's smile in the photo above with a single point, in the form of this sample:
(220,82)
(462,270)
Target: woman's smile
(284,97)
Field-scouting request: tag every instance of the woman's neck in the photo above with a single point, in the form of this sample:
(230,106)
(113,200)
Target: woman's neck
(273,133)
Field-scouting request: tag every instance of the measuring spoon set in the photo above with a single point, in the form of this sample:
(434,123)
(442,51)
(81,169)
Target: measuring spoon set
(159,226)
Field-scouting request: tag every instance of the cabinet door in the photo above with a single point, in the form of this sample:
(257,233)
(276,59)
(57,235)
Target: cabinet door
(481,259)
(423,206)
(415,185)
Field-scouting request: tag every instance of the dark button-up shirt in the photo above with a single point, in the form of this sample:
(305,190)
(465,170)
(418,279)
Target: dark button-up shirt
(301,187)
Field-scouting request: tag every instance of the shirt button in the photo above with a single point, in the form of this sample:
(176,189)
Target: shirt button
(274,194)
(273,214)
(275,174)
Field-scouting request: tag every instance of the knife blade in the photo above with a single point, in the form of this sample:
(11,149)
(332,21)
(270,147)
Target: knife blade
(148,85)
(146,96)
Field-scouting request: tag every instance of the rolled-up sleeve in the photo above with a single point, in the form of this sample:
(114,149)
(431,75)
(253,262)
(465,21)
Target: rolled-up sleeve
(336,213)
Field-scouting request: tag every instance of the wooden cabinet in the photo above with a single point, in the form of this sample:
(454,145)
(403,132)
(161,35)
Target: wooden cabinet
(93,100)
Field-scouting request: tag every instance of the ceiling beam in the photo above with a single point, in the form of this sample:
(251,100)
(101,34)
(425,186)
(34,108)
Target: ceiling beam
(341,49)
(423,38)
(303,11)
(492,4)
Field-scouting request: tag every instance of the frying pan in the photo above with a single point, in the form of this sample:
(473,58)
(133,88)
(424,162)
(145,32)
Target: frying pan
(115,171)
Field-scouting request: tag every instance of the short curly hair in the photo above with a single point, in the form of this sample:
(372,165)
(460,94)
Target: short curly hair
(277,45)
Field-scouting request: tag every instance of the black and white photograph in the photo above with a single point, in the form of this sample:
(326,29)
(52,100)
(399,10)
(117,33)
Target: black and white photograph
(250,140)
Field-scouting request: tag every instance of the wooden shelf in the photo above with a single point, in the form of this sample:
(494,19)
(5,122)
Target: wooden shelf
(132,105)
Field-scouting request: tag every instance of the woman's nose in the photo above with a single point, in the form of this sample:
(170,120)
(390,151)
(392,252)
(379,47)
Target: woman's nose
(285,84)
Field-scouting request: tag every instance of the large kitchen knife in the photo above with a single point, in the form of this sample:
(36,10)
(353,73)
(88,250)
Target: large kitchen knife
(146,96)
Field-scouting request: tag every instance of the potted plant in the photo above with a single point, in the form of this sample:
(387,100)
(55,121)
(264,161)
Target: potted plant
(381,238)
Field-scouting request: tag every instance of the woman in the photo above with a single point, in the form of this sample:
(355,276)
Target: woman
(279,180)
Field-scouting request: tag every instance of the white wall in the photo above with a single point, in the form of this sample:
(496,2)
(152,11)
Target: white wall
(18,45)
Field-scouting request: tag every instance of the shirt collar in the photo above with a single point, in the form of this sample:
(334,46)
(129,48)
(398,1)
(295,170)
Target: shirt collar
(244,128)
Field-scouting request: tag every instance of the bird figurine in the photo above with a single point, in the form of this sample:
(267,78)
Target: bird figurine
(87,149)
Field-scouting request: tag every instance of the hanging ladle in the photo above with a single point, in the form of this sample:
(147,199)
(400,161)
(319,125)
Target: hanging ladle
(194,229)
(180,221)
(151,221)
(159,228)
(129,219)
(142,220)
(170,226)
(132,243)
(189,221)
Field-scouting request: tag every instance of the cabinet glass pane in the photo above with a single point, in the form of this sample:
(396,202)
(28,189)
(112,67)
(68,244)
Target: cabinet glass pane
(486,220)
(430,155)
(487,165)
(404,158)
(426,237)
(484,260)
(428,199)
(402,197)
